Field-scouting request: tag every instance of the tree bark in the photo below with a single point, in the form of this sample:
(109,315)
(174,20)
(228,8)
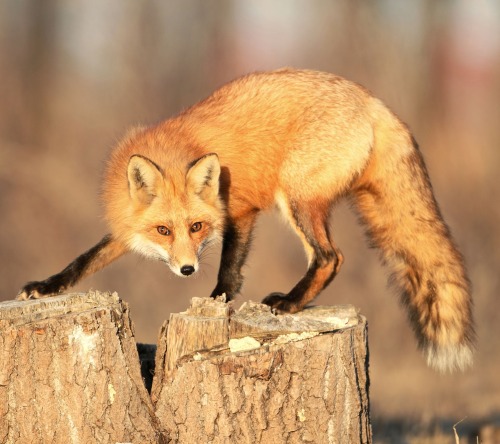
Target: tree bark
(277,379)
(69,373)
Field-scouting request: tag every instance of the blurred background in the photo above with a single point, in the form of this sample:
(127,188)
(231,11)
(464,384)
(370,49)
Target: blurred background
(75,75)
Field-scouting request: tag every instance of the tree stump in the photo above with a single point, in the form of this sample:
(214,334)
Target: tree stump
(69,373)
(253,377)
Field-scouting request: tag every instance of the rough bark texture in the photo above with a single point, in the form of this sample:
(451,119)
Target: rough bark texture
(279,379)
(69,373)
(204,326)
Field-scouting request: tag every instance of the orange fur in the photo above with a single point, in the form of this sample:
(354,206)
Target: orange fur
(299,140)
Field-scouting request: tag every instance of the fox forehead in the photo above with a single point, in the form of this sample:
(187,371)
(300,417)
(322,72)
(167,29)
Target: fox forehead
(172,193)
(175,206)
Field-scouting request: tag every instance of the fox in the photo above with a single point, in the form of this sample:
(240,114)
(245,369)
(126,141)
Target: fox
(298,140)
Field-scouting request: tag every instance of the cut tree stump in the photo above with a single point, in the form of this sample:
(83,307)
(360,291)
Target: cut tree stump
(70,373)
(253,377)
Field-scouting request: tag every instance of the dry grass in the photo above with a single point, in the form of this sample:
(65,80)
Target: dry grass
(414,431)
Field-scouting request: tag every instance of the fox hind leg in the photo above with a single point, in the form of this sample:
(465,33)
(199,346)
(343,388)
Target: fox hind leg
(310,221)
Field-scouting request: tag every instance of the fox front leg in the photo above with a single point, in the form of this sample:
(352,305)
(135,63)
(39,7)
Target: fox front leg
(235,247)
(100,255)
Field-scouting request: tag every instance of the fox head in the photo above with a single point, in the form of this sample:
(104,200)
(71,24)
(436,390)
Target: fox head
(175,213)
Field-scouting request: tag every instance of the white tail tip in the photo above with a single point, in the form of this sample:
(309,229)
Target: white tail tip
(449,358)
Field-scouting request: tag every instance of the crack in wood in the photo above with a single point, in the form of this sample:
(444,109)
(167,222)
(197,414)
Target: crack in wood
(71,364)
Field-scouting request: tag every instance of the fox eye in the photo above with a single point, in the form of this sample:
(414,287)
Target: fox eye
(196,227)
(164,231)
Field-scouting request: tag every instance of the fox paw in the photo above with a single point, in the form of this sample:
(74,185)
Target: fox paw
(281,303)
(36,290)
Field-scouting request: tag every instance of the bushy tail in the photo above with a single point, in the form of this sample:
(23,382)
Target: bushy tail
(395,201)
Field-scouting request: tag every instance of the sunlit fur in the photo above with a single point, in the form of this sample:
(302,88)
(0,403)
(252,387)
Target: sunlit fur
(154,198)
(298,140)
(395,201)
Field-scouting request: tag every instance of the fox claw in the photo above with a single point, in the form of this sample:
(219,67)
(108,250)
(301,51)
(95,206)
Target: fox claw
(35,290)
(22,296)
(280,303)
(29,291)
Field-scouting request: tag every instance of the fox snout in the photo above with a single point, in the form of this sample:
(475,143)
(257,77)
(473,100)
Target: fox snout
(183,268)
(187,270)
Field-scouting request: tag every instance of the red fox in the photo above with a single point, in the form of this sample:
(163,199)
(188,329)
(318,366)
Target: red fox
(299,140)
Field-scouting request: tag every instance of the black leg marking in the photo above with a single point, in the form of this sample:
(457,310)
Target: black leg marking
(66,278)
(312,226)
(235,248)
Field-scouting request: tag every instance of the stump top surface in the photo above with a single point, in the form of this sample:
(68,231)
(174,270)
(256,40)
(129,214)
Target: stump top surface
(21,312)
(253,318)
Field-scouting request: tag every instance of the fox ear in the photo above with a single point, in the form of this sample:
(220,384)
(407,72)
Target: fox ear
(202,177)
(144,177)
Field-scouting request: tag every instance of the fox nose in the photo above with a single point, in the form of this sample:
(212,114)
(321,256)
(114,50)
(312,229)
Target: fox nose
(187,270)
